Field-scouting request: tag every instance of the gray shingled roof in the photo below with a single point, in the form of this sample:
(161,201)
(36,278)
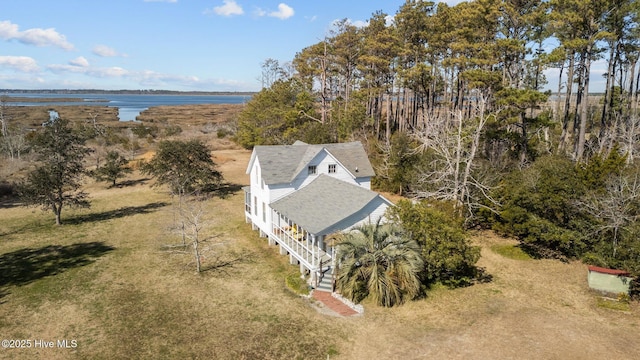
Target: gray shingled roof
(323,203)
(281,163)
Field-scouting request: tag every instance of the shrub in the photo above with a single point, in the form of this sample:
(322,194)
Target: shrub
(448,254)
(142,131)
(221,133)
(538,208)
(172,130)
(634,289)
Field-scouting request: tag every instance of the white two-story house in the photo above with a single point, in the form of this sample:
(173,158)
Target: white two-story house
(301,193)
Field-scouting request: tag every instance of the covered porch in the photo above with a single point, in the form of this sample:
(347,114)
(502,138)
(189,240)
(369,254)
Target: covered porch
(305,248)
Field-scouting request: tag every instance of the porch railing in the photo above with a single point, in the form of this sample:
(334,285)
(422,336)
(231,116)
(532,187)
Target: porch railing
(296,243)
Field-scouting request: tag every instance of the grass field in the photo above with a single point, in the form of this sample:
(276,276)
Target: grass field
(104,280)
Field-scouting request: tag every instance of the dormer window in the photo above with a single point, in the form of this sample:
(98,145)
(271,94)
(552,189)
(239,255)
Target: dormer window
(313,169)
(332,168)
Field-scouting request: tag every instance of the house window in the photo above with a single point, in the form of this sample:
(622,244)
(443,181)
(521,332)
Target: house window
(332,168)
(264,213)
(313,169)
(255,205)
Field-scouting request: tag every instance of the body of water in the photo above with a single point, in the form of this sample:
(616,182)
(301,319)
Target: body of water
(131,105)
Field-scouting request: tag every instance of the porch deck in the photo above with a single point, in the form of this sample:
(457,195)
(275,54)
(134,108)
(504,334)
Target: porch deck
(298,243)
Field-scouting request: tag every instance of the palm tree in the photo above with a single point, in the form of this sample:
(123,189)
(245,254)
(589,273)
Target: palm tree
(377,260)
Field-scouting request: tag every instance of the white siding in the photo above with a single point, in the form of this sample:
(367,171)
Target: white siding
(370,214)
(322,162)
(261,194)
(279,190)
(365,182)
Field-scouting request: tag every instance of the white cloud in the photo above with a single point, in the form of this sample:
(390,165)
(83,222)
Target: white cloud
(35,36)
(284,12)
(389,20)
(60,68)
(451,2)
(20,63)
(79,61)
(357,23)
(8,30)
(110,72)
(229,8)
(106,51)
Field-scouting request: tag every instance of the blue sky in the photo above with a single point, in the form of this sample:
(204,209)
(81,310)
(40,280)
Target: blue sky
(204,45)
(199,45)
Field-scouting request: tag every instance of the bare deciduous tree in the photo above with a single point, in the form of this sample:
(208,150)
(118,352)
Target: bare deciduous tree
(193,225)
(629,135)
(453,146)
(193,218)
(190,226)
(12,140)
(4,118)
(616,208)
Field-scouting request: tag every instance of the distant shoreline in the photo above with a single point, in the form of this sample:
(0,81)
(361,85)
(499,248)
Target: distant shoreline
(12,99)
(123,92)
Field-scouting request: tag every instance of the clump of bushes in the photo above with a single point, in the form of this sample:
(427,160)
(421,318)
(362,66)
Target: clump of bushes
(449,257)
(172,130)
(142,131)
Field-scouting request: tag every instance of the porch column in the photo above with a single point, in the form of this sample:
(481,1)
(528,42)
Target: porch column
(274,232)
(313,245)
(314,265)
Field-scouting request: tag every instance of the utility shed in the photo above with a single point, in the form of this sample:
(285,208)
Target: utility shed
(609,280)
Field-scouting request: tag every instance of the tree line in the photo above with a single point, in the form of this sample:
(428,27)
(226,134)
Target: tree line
(450,103)
(437,62)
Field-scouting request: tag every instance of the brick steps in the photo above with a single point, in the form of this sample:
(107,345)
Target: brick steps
(334,304)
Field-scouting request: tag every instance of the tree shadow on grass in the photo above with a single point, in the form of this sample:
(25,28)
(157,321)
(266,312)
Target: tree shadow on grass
(128,183)
(223,190)
(24,266)
(9,202)
(225,263)
(115,214)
